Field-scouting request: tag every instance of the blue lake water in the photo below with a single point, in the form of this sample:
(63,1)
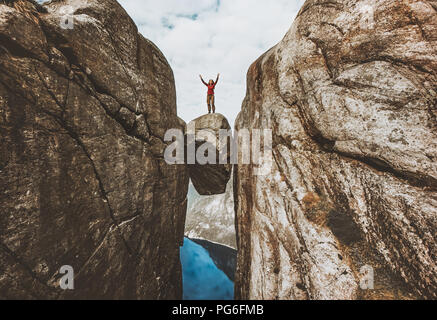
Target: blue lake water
(202,280)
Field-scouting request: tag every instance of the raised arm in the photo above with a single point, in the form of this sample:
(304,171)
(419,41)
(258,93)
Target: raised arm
(203,80)
(216,81)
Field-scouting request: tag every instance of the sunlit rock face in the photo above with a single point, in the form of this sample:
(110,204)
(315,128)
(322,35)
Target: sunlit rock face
(350,94)
(211,177)
(211,217)
(83,181)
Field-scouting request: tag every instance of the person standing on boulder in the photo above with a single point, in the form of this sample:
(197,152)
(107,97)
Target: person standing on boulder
(210,99)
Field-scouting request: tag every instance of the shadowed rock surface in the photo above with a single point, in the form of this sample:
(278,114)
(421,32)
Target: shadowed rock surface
(83,181)
(352,103)
(211,217)
(209,179)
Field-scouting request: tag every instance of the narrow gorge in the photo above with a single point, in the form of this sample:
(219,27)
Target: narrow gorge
(350,100)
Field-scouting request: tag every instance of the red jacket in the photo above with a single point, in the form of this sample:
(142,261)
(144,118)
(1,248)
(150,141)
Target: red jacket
(211,89)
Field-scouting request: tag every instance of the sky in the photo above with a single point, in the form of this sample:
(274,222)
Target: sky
(209,37)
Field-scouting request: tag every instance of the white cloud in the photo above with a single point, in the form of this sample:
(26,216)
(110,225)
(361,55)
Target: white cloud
(211,36)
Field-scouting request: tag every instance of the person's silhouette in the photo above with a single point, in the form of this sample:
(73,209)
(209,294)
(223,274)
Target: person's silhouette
(210,99)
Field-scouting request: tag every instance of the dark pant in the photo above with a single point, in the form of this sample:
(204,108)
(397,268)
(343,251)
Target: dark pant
(210,101)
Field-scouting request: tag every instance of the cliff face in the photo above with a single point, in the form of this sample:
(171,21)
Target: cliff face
(83,182)
(351,96)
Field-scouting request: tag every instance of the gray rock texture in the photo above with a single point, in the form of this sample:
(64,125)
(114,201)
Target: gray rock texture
(209,179)
(83,181)
(211,217)
(351,96)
